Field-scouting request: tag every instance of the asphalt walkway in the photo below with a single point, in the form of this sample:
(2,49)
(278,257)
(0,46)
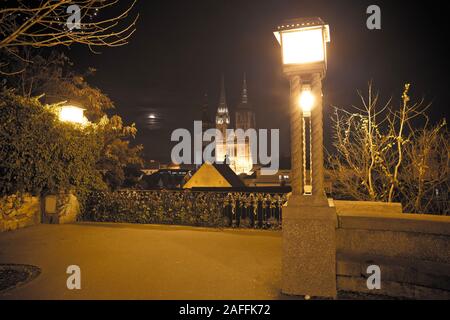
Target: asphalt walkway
(126,261)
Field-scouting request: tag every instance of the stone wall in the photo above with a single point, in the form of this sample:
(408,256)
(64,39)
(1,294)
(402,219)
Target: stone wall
(412,251)
(18,212)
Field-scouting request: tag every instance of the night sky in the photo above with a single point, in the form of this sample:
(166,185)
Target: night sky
(181,48)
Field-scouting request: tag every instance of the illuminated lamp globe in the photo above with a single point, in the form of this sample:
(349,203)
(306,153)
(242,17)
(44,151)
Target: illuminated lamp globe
(306,100)
(72,114)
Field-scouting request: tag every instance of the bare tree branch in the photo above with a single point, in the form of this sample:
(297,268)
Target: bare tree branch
(382,156)
(44,23)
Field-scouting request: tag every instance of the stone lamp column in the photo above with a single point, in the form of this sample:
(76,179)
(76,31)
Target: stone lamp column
(309,223)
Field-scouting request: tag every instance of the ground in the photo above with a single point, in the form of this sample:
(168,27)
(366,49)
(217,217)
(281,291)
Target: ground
(126,261)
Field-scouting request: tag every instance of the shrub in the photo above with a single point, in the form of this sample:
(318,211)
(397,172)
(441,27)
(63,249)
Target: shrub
(184,207)
(39,154)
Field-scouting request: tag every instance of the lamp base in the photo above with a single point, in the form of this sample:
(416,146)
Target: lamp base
(309,247)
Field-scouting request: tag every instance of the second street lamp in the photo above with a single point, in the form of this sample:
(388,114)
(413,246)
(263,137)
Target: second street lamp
(303,45)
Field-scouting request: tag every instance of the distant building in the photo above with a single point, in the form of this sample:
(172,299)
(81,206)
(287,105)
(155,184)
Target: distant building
(167,179)
(245,119)
(151,167)
(222,123)
(282,178)
(214,176)
(237,154)
(207,123)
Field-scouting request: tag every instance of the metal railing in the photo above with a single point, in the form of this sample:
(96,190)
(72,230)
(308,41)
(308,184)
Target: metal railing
(187,207)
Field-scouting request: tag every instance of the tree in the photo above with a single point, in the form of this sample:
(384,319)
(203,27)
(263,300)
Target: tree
(383,155)
(426,179)
(117,154)
(51,77)
(39,154)
(48,23)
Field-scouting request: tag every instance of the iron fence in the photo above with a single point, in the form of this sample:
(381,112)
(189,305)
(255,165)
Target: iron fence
(187,207)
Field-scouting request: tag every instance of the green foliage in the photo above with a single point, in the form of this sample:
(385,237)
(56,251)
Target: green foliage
(52,78)
(117,153)
(39,154)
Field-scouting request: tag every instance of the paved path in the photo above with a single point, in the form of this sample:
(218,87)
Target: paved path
(125,261)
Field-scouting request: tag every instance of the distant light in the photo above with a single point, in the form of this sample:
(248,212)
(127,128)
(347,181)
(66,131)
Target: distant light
(152,116)
(72,114)
(306,100)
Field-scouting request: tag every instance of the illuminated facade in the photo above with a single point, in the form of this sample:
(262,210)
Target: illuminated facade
(222,123)
(236,154)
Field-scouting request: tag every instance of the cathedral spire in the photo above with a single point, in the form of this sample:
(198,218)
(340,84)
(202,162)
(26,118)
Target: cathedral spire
(223,108)
(244,103)
(205,113)
(205,103)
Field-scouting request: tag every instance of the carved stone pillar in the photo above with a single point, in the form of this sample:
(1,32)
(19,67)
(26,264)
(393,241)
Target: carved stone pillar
(317,175)
(296,138)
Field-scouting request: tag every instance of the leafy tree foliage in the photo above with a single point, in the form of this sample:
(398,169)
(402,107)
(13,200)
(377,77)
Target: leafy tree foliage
(52,78)
(117,153)
(39,154)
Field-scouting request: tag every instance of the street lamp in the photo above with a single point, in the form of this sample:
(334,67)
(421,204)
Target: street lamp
(74,114)
(304,55)
(309,244)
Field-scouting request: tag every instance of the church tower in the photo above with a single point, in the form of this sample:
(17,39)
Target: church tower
(206,118)
(245,116)
(222,123)
(245,119)
(222,116)
(207,122)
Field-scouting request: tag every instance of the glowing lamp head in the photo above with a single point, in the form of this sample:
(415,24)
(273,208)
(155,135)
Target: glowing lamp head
(72,114)
(303,44)
(306,100)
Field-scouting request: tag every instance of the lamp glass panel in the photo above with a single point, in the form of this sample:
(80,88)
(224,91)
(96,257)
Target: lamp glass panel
(303,46)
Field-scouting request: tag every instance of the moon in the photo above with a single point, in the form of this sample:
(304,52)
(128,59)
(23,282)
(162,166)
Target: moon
(154,120)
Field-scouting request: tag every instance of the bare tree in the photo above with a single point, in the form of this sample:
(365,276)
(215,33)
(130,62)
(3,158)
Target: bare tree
(382,155)
(426,179)
(359,145)
(45,23)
